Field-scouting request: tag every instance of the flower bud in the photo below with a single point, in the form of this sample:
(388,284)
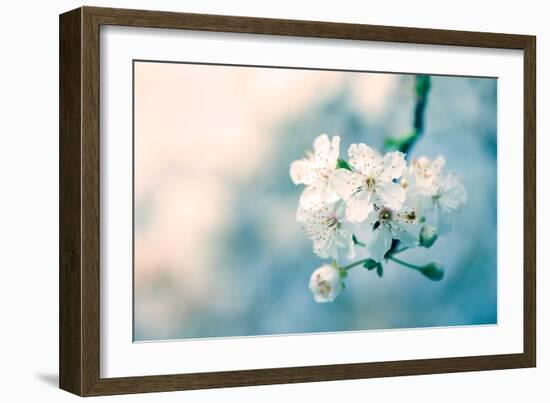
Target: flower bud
(434,271)
(428,236)
(325,283)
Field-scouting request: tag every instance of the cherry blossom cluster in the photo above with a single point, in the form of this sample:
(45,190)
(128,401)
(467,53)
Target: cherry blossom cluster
(371,201)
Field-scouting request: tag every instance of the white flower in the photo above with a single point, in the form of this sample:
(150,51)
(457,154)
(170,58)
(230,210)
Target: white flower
(314,170)
(323,224)
(384,224)
(449,197)
(325,283)
(421,180)
(432,193)
(371,183)
(425,172)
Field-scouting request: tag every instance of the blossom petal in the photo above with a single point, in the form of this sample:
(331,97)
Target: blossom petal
(452,193)
(319,164)
(340,211)
(321,145)
(350,249)
(344,183)
(365,160)
(443,221)
(393,166)
(333,153)
(325,248)
(390,195)
(438,164)
(407,233)
(318,192)
(358,207)
(310,196)
(344,240)
(301,172)
(379,243)
(304,213)
(326,152)
(370,221)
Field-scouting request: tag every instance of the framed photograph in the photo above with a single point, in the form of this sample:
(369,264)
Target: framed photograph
(248,201)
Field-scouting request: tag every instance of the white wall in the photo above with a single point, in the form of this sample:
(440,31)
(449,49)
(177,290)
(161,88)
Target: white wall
(29,198)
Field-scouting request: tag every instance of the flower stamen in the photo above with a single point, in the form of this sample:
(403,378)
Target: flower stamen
(370,184)
(385,215)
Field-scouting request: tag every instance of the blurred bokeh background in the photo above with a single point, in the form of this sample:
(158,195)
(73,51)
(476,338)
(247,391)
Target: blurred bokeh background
(218,251)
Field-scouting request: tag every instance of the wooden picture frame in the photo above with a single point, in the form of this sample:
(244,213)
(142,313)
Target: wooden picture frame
(79,348)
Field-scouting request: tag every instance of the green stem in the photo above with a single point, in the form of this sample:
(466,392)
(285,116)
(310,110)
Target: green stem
(395,252)
(406,264)
(352,265)
(422,84)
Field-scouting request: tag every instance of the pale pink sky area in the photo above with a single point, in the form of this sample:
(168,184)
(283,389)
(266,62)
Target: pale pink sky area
(198,130)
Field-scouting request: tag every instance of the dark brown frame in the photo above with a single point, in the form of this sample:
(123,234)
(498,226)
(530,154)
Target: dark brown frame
(79,323)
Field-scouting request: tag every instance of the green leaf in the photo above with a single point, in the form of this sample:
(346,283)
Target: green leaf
(400,143)
(342,164)
(379,270)
(391,142)
(370,264)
